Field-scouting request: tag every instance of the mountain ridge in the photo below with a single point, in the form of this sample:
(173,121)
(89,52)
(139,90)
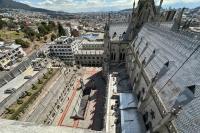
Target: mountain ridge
(11,4)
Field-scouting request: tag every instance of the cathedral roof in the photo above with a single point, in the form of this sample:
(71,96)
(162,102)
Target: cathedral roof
(183,53)
(117,30)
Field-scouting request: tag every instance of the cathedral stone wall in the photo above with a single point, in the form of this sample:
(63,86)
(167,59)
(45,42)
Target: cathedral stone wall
(152,50)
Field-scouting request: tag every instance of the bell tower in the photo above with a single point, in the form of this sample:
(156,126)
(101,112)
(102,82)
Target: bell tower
(145,12)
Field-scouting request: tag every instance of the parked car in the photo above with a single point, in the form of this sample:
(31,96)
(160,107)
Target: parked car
(36,69)
(28,77)
(10,91)
(23,94)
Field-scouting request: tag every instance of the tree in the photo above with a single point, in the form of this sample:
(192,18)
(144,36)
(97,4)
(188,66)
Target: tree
(68,25)
(45,38)
(38,36)
(11,24)
(42,30)
(80,28)
(2,24)
(75,33)
(23,43)
(46,26)
(29,33)
(53,37)
(22,25)
(52,26)
(61,31)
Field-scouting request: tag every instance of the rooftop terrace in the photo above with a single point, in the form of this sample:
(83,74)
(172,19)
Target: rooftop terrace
(93,36)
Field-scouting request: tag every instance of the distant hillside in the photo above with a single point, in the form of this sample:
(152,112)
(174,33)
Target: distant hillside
(126,10)
(17,5)
(196,10)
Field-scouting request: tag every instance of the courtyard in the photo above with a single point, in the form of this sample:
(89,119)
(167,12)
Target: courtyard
(92,110)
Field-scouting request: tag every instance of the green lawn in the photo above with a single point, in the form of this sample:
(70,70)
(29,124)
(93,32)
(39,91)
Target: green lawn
(10,35)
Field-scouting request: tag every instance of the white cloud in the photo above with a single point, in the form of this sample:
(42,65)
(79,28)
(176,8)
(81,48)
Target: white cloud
(94,5)
(26,2)
(180,1)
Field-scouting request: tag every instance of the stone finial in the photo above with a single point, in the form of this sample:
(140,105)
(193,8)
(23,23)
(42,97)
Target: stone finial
(109,19)
(177,21)
(133,5)
(161,2)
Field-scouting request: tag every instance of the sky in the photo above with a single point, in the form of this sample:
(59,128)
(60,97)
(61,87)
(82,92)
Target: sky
(101,5)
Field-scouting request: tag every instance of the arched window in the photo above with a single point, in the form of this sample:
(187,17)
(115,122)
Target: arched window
(139,95)
(152,114)
(149,126)
(145,117)
(143,90)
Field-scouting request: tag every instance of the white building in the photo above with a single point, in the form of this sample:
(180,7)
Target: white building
(86,45)
(15,52)
(67,31)
(10,53)
(91,50)
(89,57)
(64,48)
(4,61)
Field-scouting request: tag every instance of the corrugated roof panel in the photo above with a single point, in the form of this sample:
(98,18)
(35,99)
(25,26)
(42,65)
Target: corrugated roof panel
(128,101)
(131,119)
(134,125)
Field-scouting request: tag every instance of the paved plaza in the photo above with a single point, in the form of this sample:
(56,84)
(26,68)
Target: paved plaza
(94,114)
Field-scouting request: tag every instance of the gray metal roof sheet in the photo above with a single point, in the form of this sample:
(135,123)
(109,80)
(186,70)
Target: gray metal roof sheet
(131,119)
(119,28)
(128,101)
(184,72)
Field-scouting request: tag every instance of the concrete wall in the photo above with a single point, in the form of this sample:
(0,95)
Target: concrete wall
(7,126)
(149,105)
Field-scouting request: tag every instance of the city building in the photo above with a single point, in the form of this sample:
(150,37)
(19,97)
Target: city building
(4,61)
(93,36)
(64,48)
(87,45)
(89,57)
(85,51)
(67,31)
(91,49)
(10,54)
(92,41)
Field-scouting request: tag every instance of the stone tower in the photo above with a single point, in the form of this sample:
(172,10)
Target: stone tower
(145,12)
(177,21)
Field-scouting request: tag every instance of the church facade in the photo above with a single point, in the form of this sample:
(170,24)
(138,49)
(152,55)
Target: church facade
(162,65)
